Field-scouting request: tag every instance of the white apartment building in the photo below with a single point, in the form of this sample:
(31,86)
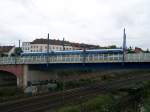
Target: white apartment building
(41,45)
(26,47)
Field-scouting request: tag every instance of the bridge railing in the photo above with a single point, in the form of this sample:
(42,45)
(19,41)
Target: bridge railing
(137,57)
(94,58)
(62,59)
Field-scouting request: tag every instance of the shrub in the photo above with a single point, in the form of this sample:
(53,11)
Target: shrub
(69,109)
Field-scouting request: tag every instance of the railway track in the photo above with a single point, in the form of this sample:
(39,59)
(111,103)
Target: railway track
(54,100)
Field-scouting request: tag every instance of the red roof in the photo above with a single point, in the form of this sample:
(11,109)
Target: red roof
(51,42)
(60,42)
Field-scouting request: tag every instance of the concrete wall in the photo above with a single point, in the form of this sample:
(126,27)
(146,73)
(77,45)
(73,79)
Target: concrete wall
(37,75)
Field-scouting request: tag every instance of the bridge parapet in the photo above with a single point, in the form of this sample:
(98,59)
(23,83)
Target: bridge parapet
(95,58)
(138,57)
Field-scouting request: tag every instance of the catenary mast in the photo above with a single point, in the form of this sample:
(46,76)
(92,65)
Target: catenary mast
(124,44)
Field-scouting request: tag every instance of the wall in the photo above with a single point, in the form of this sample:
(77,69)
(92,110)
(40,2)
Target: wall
(20,71)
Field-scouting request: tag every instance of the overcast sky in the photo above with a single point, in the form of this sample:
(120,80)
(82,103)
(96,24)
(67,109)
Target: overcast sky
(98,22)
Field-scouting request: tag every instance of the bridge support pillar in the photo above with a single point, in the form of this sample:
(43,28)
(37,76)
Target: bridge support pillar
(22,78)
(25,74)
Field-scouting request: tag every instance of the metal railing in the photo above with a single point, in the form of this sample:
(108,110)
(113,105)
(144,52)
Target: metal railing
(94,58)
(137,57)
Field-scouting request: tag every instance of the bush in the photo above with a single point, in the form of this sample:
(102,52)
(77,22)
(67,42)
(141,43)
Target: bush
(103,103)
(8,91)
(69,109)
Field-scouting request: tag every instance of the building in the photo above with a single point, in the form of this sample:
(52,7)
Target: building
(26,46)
(7,50)
(41,45)
(138,50)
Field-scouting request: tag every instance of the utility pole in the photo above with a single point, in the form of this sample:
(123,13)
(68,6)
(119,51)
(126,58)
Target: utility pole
(84,50)
(48,44)
(19,43)
(63,43)
(48,49)
(84,54)
(124,44)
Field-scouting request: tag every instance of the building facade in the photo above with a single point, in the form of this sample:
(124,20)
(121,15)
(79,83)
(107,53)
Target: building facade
(26,47)
(7,50)
(41,45)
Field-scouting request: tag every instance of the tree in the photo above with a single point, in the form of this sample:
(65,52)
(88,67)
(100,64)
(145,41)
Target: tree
(112,47)
(130,50)
(147,51)
(18,51)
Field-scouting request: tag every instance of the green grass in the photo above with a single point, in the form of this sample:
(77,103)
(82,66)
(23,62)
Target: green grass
(69,109)
(102,103)
(114,102)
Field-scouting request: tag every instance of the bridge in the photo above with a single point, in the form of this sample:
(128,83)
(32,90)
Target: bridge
(33,68)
